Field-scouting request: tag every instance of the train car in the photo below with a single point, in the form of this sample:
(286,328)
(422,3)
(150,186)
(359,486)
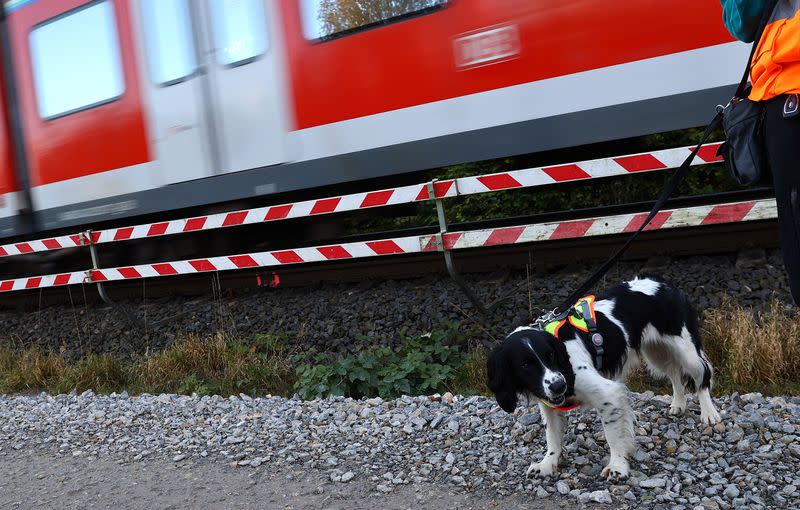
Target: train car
(120,108)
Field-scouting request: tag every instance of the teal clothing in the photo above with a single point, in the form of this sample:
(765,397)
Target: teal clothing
(741,17)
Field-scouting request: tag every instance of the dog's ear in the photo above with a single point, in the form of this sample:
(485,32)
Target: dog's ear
(501,379)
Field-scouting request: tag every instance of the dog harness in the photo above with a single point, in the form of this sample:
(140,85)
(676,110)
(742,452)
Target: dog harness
(582,317)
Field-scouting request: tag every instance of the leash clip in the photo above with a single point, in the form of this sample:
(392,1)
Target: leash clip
(551,316)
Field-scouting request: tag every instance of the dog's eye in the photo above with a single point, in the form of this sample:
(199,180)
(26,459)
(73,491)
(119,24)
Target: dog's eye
(551,357)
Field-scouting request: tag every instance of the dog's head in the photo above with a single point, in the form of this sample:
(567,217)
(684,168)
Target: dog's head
(532,362)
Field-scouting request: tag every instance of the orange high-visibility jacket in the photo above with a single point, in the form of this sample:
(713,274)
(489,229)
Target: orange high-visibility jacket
(775,69)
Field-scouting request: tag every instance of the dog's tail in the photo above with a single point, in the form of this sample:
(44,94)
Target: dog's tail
(693,326)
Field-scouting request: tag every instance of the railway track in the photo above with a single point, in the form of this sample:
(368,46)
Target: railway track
(711,239)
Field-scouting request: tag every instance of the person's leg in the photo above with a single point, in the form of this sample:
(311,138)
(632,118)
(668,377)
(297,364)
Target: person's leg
(783,150)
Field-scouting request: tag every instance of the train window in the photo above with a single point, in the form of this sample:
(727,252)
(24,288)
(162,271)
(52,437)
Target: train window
(170,48)
(76,60)
(327,19)
(240,30)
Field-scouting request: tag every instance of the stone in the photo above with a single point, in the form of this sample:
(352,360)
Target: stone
(731,491)
(602,496)
(652,483)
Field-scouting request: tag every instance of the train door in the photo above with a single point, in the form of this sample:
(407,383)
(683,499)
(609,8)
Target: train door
(213,86)
(173,85)
(244,69)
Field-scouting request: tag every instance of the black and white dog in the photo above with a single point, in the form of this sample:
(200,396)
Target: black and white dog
(643,318)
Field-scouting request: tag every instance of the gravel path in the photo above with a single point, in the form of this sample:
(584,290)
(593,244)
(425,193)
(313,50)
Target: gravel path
(396,450)
(42,481)
(341,316)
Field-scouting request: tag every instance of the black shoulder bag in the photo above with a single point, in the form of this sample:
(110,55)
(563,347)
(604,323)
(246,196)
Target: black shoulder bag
(742,118)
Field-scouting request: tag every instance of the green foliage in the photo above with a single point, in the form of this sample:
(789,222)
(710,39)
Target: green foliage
(269,343)
(423,365)
(193,383)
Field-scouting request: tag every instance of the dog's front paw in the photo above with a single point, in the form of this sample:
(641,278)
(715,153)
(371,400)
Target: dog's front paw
(708,411)
(544,468)
(710,416)
(617,469)
(677,408)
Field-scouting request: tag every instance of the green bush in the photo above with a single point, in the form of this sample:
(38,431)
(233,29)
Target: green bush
(423,365)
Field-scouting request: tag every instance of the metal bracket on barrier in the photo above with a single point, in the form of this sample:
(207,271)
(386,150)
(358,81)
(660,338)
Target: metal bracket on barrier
(448,255)
(86,237)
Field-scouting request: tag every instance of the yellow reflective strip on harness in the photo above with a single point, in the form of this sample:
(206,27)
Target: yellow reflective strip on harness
(578,320)
(552,327)
(575,318)
(579,323)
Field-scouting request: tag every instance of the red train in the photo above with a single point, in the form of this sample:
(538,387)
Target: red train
(119,108)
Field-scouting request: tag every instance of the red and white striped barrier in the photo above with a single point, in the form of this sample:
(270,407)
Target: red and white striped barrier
(593,169)
(53,243)
(530,177)
(343,251)
(356,201)
(605,225)
(39,282)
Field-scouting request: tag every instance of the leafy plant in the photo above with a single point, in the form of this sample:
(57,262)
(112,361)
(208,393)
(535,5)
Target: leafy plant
(426,364)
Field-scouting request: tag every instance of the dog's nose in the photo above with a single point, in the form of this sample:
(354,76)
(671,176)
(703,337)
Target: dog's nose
(559,386)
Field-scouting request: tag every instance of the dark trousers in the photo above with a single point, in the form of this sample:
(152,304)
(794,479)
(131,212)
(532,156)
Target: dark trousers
(783,149)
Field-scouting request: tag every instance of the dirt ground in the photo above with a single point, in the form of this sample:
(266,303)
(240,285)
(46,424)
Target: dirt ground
(36,480)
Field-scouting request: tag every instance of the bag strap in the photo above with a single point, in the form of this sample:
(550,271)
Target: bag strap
(669,189)
(762,24)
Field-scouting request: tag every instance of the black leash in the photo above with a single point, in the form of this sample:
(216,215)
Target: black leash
(564,309)
(673,183)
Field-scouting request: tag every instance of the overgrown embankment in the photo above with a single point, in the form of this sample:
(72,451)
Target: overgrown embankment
(752,351)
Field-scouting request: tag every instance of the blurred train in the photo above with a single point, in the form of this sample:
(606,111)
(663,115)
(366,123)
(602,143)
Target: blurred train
(114,109)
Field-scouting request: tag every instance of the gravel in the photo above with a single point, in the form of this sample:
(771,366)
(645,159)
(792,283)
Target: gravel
(341,317)
(487,454)
(36,481)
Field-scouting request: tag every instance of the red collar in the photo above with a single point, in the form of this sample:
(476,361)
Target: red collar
(565,408)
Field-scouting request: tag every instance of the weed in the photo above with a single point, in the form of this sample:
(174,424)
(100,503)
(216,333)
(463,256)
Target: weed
(102,373)
(31,369)
(422,365)
(751,352)
(220,366)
